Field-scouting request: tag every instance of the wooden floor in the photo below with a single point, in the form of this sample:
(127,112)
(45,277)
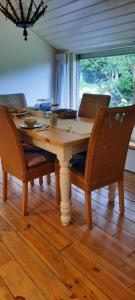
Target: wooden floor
(40,259)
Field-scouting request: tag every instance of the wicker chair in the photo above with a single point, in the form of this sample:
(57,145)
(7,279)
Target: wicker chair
(13,101)
(90,103)
(17,101)
(106,155)
(22,164)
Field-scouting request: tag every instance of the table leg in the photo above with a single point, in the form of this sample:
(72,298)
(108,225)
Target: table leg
(65,188)
(111,192)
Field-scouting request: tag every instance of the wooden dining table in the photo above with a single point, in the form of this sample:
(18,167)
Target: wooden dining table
(64,143)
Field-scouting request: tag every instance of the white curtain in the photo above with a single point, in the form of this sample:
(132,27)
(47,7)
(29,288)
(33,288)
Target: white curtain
(65,80)
(62,80)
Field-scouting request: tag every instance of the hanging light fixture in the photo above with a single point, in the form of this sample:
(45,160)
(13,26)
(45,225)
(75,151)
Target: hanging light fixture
(23,13)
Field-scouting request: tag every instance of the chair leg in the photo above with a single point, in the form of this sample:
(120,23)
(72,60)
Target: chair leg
(57,177)
(48,179)
(25,198)
(88,209)
(121,196)
(40,180)
(32,182)
(4,185)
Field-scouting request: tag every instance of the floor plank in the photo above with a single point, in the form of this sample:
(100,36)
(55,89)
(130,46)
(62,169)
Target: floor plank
(80,256)
(126,238)
(45,279)
(19,283)
(41,259)
(12,218)
(5,294)
(111,253)
(5,257)
(80,286)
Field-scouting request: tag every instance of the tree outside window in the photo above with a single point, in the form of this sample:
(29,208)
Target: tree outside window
(109,75)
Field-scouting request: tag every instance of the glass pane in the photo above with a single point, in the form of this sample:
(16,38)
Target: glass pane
(108,75)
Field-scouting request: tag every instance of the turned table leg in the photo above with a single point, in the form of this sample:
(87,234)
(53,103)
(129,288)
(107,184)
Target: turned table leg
(65,188)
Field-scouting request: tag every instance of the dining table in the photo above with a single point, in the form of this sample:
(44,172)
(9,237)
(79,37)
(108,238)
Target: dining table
(70,136)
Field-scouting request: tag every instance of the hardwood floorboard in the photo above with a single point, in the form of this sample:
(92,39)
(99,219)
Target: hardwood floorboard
(12,218)
(49,231)
(4,226)
(41,259)
(126,238)
(19,282)
(132,287)
(111,253)
(80,256)
(65,271)
(5,257)
(46,280)
(5,293)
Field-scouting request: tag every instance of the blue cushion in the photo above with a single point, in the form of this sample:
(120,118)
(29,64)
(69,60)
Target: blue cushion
(77,163)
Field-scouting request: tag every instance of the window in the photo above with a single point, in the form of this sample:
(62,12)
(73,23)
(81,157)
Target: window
(108,75)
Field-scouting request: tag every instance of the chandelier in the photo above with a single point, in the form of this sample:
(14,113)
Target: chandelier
(23,13)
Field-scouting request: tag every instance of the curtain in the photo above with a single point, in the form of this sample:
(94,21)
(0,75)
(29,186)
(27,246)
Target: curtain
(74,81)
(66,80)
(62,79)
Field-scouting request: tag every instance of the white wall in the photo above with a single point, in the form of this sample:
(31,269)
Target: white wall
(26,67)
(130,161)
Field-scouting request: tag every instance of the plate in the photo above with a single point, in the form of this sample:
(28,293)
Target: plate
(38,125)
(19,114)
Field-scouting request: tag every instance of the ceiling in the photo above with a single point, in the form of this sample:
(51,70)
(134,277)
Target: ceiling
(82,26)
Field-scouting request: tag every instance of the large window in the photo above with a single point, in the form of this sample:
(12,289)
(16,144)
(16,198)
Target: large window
(108,75)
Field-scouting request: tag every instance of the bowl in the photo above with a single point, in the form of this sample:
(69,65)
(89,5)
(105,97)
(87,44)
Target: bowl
(30,122)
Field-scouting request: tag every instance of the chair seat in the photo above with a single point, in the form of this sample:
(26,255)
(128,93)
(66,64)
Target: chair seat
(33,159)
(35,156)
(77,163)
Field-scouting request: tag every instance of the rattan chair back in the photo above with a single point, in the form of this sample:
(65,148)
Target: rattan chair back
(11,151)
(108,146)
(91,103)
(13,101)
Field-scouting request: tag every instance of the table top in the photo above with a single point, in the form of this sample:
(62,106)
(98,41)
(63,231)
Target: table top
(55,136)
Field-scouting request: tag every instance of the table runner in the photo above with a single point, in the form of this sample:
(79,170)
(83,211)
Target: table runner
(76,126)
(69,125)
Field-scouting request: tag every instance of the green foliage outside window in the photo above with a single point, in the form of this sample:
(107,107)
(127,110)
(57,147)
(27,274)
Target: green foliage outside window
(109,75)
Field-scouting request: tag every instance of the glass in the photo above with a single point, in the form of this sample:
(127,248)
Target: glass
(53,120)
(55,107)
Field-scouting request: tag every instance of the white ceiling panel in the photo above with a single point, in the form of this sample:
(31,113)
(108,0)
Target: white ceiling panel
(87,25)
